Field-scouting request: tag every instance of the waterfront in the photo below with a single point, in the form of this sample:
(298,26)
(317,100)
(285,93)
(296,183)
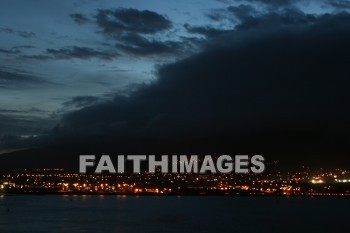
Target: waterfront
(306,182)
(69,213)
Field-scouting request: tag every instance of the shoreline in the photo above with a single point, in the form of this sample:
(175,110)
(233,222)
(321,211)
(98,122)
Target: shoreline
(164,195)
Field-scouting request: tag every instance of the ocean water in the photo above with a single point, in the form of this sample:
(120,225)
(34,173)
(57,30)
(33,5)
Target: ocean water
(128,214)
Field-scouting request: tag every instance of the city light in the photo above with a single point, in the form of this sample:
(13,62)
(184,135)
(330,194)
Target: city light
(304,182)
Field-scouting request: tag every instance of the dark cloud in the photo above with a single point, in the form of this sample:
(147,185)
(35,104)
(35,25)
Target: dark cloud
(80,18)
(136,44)
(275,3)
(81,53)
(35,57)
(24,47)
(24,112)
(19,79)
(72,52)
(117,21)
(281,91)
(216,15)
(250,16)
(341,4)
(135,31)
(15,50)
(270,3)
(10,111)
(249,19)
(81,101)
(271,20)
(26,34)
(205,30)
(242,11)
(10,51)
(20,125)
(20,33)
(9,141)
(20,130)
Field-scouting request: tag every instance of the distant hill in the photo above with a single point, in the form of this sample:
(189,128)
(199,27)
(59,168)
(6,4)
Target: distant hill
(38,158)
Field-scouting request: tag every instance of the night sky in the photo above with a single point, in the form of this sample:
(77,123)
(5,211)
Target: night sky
(206,77)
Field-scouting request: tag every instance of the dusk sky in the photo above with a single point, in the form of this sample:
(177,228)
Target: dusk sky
(126,71)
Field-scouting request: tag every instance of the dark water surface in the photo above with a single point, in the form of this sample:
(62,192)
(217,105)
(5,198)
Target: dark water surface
(127,214)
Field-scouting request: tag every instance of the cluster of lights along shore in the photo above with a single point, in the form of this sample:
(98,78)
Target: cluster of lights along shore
(303,182)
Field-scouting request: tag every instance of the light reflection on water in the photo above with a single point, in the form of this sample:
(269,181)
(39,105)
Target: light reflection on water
(55,213)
